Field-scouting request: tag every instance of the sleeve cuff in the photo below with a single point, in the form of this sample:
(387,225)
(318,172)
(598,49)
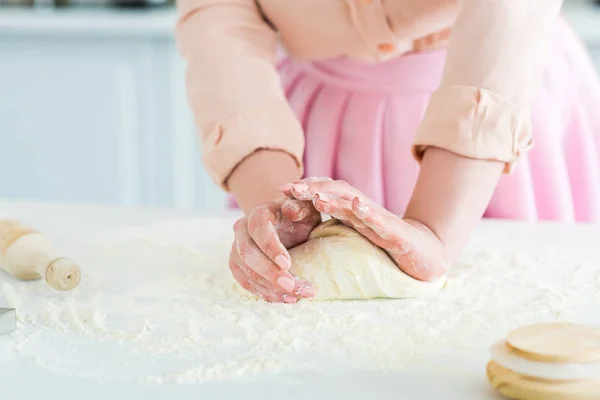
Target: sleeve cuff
(474,123)
(228,142)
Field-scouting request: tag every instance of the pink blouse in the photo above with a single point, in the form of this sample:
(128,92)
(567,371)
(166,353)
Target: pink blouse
(480,110)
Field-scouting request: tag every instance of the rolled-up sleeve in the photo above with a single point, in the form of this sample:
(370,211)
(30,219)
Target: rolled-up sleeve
(481,109)
(233,86)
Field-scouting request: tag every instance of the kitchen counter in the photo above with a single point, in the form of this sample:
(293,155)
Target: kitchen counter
(584,16)
(61,221)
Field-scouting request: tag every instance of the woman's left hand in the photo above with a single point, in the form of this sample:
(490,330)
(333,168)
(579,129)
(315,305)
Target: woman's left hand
(412,245)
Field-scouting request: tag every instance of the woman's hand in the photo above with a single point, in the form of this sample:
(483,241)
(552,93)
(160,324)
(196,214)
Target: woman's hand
(411,244)
(259,259)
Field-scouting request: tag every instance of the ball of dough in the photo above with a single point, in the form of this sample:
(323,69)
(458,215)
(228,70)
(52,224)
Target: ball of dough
(344,265)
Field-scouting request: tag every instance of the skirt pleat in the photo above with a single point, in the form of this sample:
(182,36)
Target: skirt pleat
(360,121)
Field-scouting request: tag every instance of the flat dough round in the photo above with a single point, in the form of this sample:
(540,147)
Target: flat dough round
(344,265)
(516,386)
(556,342)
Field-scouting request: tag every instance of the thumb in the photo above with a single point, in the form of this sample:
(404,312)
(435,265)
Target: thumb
(297,210)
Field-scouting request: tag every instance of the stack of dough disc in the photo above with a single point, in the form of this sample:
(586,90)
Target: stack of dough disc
(548,361)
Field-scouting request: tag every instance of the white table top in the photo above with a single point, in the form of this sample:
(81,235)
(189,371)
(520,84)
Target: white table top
(23,380)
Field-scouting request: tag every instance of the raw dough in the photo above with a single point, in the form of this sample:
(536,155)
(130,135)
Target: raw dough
(343,265)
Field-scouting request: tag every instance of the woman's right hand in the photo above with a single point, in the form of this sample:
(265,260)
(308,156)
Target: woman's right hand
(260,260)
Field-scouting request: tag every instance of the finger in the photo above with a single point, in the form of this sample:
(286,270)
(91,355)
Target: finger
(262,231)
(287,188)
(338,208)
(381,228)
(302,288)
(254,276)
(252,256)
(305,190)
(297,210)
(348,216)
(241,277)
(383,224)
(378,241)
(272,296)
(256,289)
(253,287)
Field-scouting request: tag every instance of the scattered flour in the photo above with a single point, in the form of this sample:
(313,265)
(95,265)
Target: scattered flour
(157,304)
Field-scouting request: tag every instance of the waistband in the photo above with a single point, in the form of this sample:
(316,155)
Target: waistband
(419,71)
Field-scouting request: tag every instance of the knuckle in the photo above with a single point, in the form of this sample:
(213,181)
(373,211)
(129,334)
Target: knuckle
(327,209)
(241,279)
(253,224)
(306,212)
(240,224)
(242,247)
(257,219)
(254,276)
(397,240)
(305,209)
(271,248)
(272,275)
(245,284)
(291,204)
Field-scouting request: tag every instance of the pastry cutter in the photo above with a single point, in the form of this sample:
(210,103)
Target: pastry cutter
(8,320)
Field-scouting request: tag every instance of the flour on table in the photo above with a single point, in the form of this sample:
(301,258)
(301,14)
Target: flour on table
(157,304)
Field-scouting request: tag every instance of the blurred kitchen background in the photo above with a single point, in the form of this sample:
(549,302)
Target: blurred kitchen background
(93,108)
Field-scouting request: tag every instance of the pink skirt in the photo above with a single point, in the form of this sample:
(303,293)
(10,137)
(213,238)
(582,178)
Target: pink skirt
(360,121)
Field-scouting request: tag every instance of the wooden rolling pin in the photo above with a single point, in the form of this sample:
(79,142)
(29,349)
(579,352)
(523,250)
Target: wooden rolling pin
(27,254)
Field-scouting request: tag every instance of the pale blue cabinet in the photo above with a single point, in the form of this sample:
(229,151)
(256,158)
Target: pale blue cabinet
(99,116)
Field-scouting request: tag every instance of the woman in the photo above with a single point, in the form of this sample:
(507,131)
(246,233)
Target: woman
(423,107)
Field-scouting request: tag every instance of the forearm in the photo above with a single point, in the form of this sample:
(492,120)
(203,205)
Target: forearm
(480,112)
(451,195)
(258,177)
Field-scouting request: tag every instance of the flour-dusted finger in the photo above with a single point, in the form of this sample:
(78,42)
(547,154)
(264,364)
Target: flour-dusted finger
(240,276)
(252,256)
(287,188)
(262,230)
(338,208)
(254,276)
(385,227)
(304,289)
(372,218)
(296,210)
(301,289)
(272,296)
(255,288)
(259,286)
(306,189)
